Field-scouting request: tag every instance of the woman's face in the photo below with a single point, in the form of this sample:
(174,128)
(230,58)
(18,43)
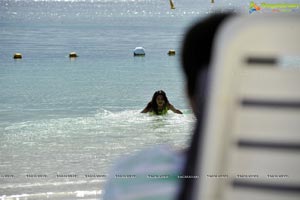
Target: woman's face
(160,101)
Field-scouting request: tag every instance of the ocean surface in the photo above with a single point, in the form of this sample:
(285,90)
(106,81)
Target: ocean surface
(64,122)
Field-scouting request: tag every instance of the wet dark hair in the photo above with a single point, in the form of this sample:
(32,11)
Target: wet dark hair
(153,101)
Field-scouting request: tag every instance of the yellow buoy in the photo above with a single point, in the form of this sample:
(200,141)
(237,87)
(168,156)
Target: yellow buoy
(171,52)
(73,55)
(172,4)
(17,56)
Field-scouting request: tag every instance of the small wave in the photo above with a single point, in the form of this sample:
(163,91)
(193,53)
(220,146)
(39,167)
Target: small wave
(136,114)
(127,115)
(31,185)
(75,194)
(102,121)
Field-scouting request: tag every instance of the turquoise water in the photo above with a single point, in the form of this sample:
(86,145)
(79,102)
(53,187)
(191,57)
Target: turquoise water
(75,117)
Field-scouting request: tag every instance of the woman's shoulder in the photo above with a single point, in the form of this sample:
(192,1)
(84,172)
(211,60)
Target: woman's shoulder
(148,108)
(170,106)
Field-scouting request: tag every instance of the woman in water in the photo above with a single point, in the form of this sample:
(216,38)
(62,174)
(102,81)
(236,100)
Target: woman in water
(160,104)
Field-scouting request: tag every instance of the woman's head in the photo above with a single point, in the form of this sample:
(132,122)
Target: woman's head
(159,100)
(197,49)
(196,59)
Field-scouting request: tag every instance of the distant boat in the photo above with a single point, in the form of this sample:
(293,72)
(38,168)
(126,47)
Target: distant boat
(172,4)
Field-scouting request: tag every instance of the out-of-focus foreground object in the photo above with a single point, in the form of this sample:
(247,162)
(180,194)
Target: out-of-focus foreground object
(252,120)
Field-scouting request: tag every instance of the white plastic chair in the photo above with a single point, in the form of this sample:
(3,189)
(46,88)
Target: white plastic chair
(252,126)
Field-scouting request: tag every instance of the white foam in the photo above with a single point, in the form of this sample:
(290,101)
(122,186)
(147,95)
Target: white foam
(31,185)
(93,193)
(85,145)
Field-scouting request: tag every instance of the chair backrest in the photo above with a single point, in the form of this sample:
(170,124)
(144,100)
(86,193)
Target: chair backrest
(252,125)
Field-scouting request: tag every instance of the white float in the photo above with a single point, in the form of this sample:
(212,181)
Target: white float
(139,51)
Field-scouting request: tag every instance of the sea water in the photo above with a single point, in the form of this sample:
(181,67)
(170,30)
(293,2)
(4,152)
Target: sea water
(63,122)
